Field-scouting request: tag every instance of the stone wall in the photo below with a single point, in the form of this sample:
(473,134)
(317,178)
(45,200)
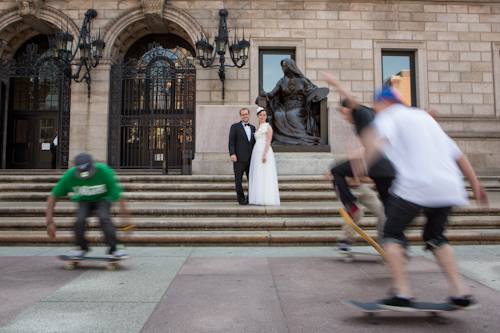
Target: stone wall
(457,47)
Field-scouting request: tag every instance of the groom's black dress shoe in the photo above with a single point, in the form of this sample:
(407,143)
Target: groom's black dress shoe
(243,203)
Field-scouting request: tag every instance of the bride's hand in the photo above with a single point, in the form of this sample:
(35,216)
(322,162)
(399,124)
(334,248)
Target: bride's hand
(264,159)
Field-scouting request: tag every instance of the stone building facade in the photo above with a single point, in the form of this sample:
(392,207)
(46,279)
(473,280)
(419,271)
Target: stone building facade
(454,49)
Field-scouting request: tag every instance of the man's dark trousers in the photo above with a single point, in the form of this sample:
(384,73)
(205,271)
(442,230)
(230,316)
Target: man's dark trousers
(239,169)
(102,208)
(381,172)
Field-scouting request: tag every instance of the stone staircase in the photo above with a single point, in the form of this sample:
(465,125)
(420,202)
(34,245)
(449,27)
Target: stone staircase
(175,210)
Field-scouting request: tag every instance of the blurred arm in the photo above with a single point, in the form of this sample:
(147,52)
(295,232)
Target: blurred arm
(332,79)
(51,227)
(478,189)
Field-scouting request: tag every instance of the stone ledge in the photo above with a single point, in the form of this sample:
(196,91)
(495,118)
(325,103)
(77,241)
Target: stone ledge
(177,187)
(286,163)
(236,238)
(301,149)
(227,196)
(217,209)
(247,223)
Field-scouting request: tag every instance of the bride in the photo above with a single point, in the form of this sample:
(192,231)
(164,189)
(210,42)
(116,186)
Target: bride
(263,179)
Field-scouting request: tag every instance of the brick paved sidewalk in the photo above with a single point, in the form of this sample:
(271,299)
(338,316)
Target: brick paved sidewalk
(256,289)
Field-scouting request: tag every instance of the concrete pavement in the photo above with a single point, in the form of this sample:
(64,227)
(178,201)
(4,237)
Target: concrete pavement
(231,289)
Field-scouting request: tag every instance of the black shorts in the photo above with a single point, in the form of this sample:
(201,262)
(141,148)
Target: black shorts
(400,213)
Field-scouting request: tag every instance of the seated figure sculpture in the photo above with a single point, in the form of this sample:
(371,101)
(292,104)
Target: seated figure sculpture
(294,107)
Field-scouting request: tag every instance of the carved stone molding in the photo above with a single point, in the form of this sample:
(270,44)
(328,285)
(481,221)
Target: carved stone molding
(121,32)
(153,7)
(153,11)
(29,8)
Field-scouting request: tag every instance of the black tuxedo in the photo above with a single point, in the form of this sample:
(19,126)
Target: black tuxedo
(242,148)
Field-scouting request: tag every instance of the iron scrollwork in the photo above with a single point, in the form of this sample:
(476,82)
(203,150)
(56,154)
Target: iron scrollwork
(152,106)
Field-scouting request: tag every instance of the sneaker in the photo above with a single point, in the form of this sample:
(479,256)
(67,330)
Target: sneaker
(344,246)
(120,252)
(464,303)
(78,252)
(354,211)
(397,304)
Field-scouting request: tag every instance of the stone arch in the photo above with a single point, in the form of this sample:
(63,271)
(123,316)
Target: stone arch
(14,31)
(129,27)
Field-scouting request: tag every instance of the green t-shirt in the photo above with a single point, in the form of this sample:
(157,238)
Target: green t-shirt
(103,185)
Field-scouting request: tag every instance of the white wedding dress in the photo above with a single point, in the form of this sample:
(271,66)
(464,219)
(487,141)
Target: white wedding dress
(263,183)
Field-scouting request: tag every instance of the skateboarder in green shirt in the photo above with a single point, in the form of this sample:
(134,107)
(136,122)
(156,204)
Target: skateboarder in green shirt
(95,187)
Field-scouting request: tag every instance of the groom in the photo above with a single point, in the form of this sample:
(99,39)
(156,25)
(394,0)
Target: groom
(241,143)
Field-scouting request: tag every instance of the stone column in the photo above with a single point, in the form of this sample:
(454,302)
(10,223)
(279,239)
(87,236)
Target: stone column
(89,116)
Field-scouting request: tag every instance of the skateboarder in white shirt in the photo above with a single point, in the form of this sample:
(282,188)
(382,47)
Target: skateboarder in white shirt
(430,169)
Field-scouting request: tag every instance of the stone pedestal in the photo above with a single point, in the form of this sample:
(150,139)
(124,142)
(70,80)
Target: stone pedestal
(286,163)
(212,154)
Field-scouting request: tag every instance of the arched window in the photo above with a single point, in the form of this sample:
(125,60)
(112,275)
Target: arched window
(38,109)
(152,106)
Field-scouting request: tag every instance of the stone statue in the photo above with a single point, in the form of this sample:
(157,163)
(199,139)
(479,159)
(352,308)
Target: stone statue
(294,106)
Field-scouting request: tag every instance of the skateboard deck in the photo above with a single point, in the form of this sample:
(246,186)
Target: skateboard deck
(367,238)
(372,308)
(72,262)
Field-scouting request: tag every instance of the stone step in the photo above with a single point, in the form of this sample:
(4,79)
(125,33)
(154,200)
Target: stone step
(181,196)
(28,172)
(192,187)
(158,196)
(175,187)
(245,223)
(214,209)
(236,238)
(201,210)
(488,181)
(155,178)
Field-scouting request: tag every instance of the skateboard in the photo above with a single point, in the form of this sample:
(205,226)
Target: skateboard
(72,262)
(349,256)
(374,308)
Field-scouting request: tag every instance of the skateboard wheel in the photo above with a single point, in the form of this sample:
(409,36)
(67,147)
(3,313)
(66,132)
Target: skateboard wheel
(348,259)
(69,266)
(373,319)
(110,267)
(441,320)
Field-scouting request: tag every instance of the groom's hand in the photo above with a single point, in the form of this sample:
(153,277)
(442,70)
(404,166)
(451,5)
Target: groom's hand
(234,158)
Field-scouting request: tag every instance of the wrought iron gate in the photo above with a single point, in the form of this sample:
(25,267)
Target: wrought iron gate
(38,85)
(152,109)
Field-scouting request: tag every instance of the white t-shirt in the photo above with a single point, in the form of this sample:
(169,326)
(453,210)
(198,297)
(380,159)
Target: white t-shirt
(424,157)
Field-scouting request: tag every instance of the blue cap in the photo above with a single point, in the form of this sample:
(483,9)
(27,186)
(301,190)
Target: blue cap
(84,166)
(387,93)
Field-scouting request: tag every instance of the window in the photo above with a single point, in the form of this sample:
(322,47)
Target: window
(270,66)
(46,130)
(398,70)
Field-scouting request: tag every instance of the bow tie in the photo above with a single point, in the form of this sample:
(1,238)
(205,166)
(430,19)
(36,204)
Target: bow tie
(246,124)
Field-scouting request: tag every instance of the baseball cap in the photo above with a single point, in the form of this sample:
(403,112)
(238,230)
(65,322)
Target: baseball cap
(387,93)
(84,166)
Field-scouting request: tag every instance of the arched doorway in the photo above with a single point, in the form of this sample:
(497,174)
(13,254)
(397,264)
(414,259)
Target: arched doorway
(152,104)
(38,108)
